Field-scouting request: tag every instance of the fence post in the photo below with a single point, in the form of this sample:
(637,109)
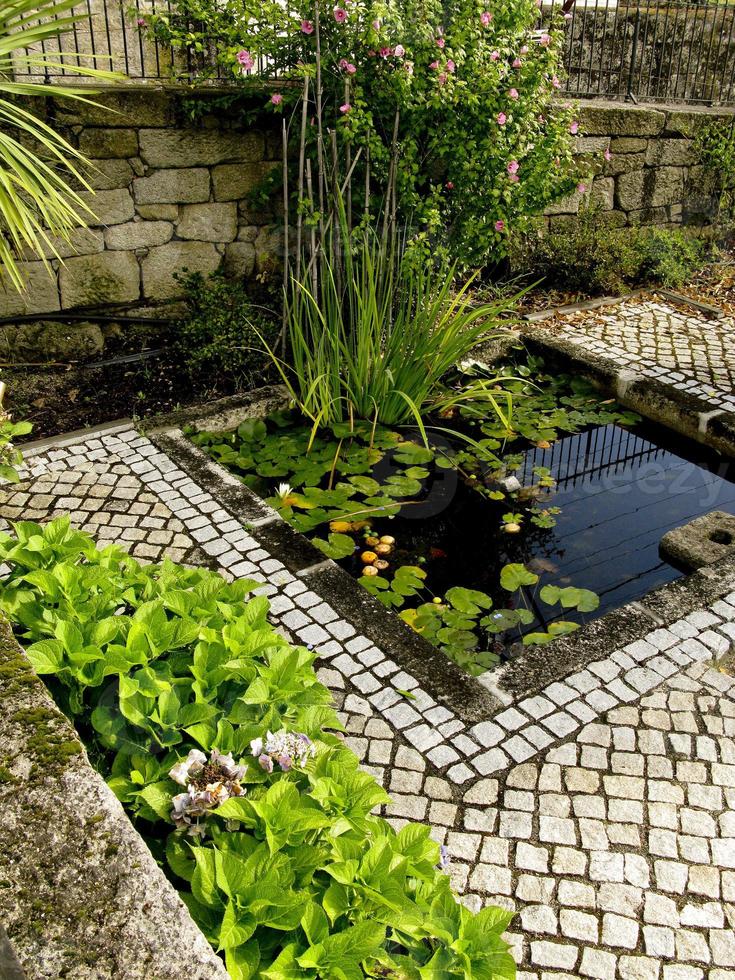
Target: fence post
(629,96)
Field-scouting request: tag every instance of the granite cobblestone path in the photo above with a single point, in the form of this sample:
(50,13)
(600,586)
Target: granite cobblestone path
(678,345)
(602,808)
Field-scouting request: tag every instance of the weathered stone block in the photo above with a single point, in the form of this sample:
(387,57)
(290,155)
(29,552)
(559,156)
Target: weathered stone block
(671,152)
(627,144)
(196,148)
(268,247)
(41,294)
(662,216)
(93,280)
(208,222)
(82,241)
(233,181)
(139,234)
(603,193)
(650,188)
(109,143)
(182,186)
(239,259)
(688,122)
(120,109)
(109,175)
(567,205)
(591,144)
(703,541)
(161,263)
(50,341)
(248,233)
(620,120)
(109,207)
(158,212)
(623,163)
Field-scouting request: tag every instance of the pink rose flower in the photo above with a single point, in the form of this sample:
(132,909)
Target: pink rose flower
(485,18)
(513,178)
(340,15)
(517,63)
(574,127)
(555,81)
(494,55)
(449,185)
(276,98)
(141,22)
(386,52)
(434,65)
(307,27)
(513,167)
(450,65)
(607,155)
(408,65)
(544,40)
(524,49)
(500,225)
(440,42)
(245,59)
(376,25)
(399,51)
(344,109)
(442,78)
(513,94)
(502,118)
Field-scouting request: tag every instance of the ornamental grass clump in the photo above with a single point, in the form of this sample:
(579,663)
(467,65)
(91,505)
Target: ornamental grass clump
(177,680)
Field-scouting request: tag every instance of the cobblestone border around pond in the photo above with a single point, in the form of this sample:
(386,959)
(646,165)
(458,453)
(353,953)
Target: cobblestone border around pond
(564,803)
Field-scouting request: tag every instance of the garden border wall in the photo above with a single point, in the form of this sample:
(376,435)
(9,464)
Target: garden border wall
(80,893)
(171,195)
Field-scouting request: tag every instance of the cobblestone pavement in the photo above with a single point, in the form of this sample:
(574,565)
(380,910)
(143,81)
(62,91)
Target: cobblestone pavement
(678,345)
(602,808)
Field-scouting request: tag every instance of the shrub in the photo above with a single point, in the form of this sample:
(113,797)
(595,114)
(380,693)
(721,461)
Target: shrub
(173,675)
(223,332)
(590,256)
(464,92)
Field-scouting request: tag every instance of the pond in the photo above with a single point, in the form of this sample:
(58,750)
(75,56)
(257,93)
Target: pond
(498,533)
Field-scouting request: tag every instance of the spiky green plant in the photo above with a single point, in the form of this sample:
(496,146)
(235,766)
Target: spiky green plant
(38,207)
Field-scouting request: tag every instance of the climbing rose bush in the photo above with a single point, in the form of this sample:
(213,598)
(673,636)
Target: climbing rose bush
(483,143)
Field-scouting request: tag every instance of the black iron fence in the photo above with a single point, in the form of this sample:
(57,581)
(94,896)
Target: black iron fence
(642,51)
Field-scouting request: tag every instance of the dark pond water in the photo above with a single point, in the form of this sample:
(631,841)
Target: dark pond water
(619,492)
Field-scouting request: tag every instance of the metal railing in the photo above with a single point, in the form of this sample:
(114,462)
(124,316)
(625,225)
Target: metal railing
(642,51)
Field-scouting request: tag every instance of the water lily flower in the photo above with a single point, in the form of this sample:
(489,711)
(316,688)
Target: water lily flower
(502,119)
(345,108)
(284,489)
(245,59)
(340,15)
(307,27)
(399,51)
(500,225)
(513,93)
(485,18)
(276,98)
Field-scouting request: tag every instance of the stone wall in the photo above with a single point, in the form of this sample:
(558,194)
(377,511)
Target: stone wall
(171,195)
(653,176)
(167,196)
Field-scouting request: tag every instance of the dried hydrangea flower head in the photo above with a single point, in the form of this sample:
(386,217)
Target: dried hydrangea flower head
(285,749)
(208,784)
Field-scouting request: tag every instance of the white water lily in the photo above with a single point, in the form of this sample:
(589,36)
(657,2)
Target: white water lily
(284,489)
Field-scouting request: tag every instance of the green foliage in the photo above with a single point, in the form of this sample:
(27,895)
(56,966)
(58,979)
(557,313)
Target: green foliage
(464,90)
(715,147)
(223,332)
(10,456)
(39,208)
(297,877)
(378,338)
(591,256)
